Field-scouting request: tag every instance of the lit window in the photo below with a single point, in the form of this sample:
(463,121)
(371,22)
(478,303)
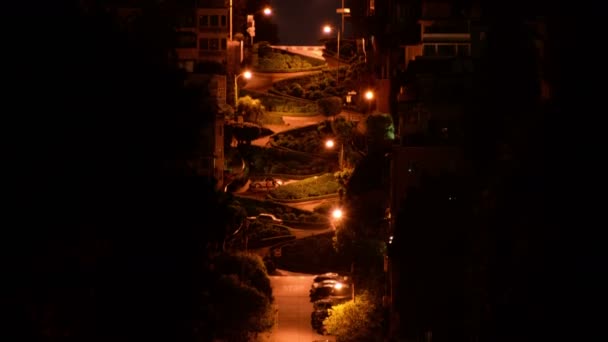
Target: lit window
(412,167)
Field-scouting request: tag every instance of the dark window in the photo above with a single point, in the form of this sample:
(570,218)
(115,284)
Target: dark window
(224,20)
(203,20)
(223,47)
(463,50)
(186,40)
(214,44)
(429,50)
(446,50)
(185,21)
(203,44)
(214,21)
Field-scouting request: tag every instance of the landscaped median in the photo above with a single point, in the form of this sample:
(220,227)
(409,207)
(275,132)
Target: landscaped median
(312,188)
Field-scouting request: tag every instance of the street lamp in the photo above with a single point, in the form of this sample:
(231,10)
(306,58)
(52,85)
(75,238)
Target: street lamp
(329,143)
(337,214)
(267,11)
(369,96)
(328,29)
(247,74)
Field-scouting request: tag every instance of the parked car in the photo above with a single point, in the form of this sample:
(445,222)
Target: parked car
(331,289)
(319,314)
(265,183)
(316,281)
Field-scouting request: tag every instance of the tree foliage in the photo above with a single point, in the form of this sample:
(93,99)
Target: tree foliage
(250,109)
(378,128)
(355,321)
(245,133)
(330,106)
(240,299)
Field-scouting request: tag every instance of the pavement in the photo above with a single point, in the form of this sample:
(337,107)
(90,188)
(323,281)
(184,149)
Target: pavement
(291,291)
(290,122)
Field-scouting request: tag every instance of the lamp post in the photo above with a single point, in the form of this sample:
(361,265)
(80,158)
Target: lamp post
(330,145)
(328,29)
(336,216)
(247,75)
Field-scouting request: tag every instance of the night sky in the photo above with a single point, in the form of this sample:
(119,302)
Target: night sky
(300,22)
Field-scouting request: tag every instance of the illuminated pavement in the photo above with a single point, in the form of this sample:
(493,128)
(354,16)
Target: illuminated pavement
(291,297)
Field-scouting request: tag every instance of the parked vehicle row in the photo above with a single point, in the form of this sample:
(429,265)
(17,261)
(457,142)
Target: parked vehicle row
(327,290)
(267,183)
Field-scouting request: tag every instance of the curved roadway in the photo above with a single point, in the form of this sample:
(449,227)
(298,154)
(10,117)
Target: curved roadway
(291,290)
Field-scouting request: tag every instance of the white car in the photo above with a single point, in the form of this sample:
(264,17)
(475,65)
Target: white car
(265,217)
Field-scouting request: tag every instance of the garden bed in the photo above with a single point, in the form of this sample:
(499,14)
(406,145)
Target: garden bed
(287,163)
(276,60)
(254,207)
(309,139)
(309,188)
(277,103)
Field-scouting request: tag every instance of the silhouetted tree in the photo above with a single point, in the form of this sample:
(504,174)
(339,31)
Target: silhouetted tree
(116,229)
(330,106)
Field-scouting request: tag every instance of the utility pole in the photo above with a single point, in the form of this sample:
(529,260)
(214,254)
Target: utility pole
(230,20)
(342,15)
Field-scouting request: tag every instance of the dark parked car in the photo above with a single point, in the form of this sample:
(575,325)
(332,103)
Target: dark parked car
(317,280)
(332,289)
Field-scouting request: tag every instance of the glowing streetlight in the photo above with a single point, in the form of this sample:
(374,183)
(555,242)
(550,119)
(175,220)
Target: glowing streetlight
(337,214)
(247,74)
(267,11)
(369,96)
(328,29)
(329,143)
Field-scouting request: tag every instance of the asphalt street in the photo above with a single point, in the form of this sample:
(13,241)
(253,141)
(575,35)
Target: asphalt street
(291,296)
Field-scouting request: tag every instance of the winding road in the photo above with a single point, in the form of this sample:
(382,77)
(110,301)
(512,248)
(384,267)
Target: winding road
(291,290)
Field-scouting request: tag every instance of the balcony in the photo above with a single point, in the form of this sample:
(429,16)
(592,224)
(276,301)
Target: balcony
(445,31)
